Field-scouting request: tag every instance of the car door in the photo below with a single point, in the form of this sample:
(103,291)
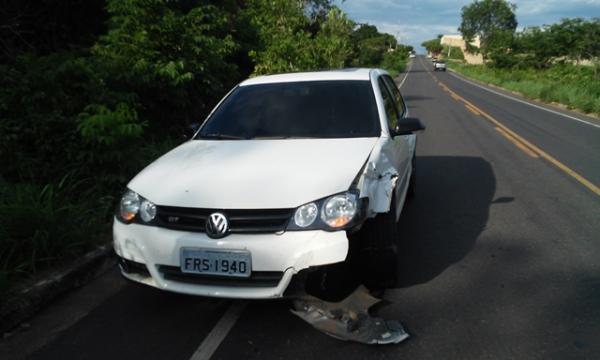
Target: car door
(397,147)
(403,110)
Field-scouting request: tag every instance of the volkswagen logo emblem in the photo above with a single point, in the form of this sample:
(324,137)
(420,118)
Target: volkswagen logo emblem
(217,225)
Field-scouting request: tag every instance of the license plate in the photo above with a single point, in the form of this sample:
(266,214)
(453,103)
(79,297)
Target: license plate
(236,263)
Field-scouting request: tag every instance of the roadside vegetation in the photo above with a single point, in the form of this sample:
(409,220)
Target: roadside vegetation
(575,86)
(435,48)
(554,63)
(92,90)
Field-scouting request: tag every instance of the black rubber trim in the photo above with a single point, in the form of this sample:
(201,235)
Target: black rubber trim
(257,279)
(132,267)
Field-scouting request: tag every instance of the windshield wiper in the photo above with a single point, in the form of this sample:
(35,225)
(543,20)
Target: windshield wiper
(216,136)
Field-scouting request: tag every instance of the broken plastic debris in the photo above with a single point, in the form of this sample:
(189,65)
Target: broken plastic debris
(349,319)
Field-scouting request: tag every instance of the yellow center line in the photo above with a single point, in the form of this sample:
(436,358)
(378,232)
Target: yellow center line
(522,143)
(525,149)
(471,109)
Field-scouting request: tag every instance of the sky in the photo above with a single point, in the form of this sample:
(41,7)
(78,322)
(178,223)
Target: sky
(413,21)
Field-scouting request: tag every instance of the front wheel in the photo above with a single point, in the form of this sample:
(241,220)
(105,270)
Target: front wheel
(380,248)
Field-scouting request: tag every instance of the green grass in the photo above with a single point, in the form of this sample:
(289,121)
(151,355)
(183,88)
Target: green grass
(44,226)
(573,86)
(41,226)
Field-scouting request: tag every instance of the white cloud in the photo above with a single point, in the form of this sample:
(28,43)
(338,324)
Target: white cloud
(539,7)
(414,21)
(415,34)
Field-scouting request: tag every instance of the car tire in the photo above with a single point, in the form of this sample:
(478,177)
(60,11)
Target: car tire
(372,260)
(380,247)
(333,282)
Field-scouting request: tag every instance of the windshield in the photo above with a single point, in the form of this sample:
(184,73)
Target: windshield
(313,109)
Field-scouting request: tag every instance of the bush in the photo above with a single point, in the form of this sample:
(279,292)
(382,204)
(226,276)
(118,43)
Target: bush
(42,97)
(394,62)
(40,226)
(503,60)
(454,51)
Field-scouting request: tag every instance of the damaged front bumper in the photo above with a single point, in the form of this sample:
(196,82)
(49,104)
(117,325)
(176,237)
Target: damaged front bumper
(151,255)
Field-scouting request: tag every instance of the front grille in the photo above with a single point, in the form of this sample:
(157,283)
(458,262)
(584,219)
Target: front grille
(256,279)
(240,221)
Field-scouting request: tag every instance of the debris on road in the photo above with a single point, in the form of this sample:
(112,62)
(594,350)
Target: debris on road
(349,319)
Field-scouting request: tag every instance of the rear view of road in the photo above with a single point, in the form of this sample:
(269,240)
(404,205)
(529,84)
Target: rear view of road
(500,254)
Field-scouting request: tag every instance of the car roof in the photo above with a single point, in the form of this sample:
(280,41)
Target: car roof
(342,74)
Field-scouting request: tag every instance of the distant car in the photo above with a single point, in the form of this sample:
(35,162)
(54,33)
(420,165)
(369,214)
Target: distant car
(273,187)
(429,56)
(433,59)
(439,65)
(412,55)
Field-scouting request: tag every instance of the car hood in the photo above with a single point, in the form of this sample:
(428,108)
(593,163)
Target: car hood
(252,174)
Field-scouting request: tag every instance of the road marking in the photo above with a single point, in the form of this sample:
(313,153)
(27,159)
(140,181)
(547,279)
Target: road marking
(212,341)
(471,109)
(405,76)
(524,102)
(517,143)
(564,168)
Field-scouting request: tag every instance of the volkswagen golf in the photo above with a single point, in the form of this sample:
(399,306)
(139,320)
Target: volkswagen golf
(290,176)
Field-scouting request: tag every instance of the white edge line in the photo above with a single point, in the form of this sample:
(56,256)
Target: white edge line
(406,75)
(523,102)
(212,341)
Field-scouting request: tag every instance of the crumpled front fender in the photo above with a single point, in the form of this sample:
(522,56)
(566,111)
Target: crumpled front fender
(377,182)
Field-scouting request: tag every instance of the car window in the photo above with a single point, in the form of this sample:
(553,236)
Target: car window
(321,109)
(396,93)
(389,104)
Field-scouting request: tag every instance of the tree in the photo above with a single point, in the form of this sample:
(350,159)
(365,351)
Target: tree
(433,46)
(370,45)
(453,52)
(493,21)
(283,37)
(45,27)
(174,55)
(299,35)
(331,46)
(570,39)
(536,46)
(577,38)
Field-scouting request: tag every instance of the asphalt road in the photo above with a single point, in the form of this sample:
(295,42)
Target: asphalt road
(500,256)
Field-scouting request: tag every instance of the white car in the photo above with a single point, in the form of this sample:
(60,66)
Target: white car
(275,186)
(439,65)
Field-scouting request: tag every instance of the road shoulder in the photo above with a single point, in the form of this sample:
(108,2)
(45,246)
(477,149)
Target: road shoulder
(557,108)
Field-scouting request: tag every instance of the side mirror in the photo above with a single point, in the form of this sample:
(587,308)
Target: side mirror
(191,130)
(407,126)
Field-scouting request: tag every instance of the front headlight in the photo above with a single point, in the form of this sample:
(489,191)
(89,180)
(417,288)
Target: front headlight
(129,205)
(336,212)
(132,205)
(339,210)
(147,211)
(306,214)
